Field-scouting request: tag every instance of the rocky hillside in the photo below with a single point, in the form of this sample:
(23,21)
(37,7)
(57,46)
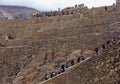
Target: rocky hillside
(101,69)
(15,12)
(31,47)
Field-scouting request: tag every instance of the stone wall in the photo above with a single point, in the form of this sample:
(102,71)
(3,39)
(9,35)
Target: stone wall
(57,27)
(62,34)
(14,54)
(101,69)
(41,28)
(67,30)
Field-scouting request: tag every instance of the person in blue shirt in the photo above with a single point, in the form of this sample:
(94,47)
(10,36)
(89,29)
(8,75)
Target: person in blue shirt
(67,64)
(46,76)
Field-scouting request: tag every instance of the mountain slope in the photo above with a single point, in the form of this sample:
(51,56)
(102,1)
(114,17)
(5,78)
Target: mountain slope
(15,12)
(6,14)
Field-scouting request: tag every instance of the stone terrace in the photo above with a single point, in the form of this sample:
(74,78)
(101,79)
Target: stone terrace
(60,34)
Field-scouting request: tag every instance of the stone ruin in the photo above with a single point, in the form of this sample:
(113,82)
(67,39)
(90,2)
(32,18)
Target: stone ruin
(65,11)
(35,45)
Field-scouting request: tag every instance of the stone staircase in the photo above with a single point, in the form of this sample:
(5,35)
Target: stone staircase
(100,69)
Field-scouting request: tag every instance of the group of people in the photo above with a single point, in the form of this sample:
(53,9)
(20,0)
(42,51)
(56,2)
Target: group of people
(57,13)
(65,66)
(113,7)
(61,12)
(104,46)
(52,13)
(107,44)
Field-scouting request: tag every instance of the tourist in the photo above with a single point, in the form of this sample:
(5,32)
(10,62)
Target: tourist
(51,75)
(103,46)
(67,65)
(63,13)
(6,18)
(114,6)
(96,50)
(46,76)
(78,59)
(63,68)
(72,62)
(76,6)
(108,42)
(54,74)
(113,40)
(105,8)
(83,57)
(58,71)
